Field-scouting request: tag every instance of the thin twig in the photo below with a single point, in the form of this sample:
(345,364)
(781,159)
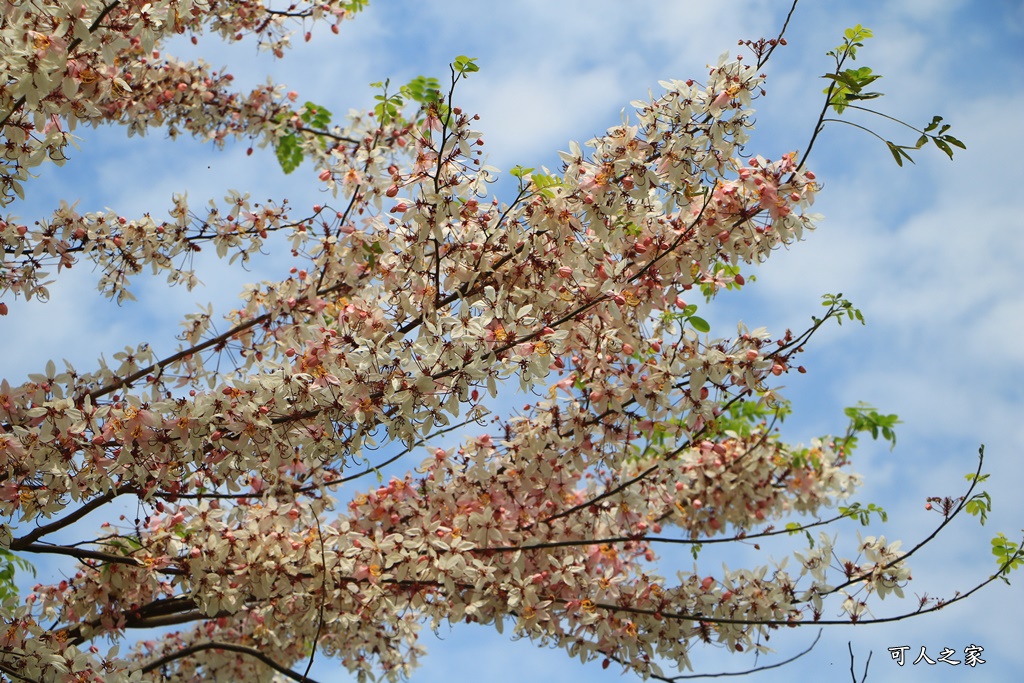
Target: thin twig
(230,647)
(37,533)
(748,671)
(778,40)
(853,674)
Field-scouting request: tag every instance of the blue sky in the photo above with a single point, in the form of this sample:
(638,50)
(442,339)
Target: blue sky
(928,252)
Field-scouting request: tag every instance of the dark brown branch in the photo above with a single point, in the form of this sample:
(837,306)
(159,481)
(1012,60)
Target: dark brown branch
(726,674)
(214,341)
(928,539)
(683,616)
(853,674)
(160,364)
(611,492)
(168,620)
(166,612)
(804,337)
(11,672)
(323,599)
(79,553)
(327,134)
(335,482)
(778,39)
(657,539)
(230,647)
(37,533)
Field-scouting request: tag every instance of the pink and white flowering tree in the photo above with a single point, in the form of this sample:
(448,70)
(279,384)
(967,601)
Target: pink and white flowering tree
(413,302)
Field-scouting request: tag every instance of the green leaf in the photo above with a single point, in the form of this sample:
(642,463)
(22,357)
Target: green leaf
(465,65)
(838,100)
(520,171)
(941,144)
(953,141)
(634,230)
(843,79)
(979,506)
(742,417)
(858,33)
(699,324)
(315,116)
(895,153)
(544,183)
(865,418)
(863,514)
(841,307)
(423,89)
(1008,555)
(288,152)
(389,106)
(855,80)
(863,96)
(882,514)
(9,564)
(372,250)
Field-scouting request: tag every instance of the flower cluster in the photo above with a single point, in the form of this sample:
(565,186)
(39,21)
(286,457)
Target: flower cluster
(406,310)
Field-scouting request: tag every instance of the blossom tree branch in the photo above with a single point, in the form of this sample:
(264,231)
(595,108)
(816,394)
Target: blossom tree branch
(416,296)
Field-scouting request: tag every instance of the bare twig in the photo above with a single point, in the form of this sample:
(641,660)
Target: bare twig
(725,674)
(853,674)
